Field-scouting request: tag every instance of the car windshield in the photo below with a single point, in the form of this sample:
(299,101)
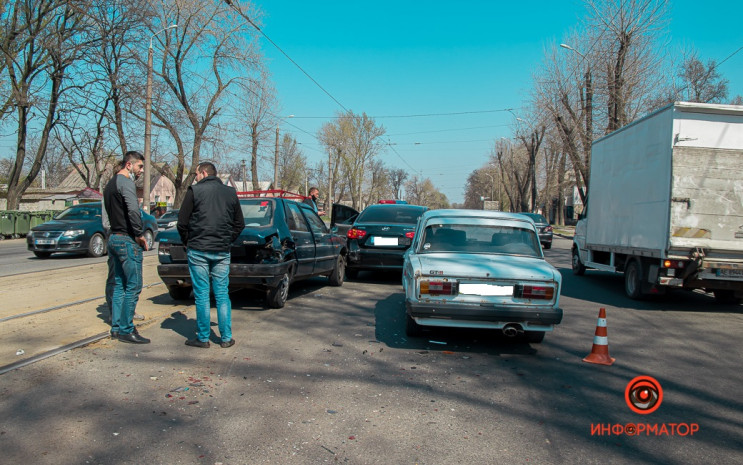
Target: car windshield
(397,214)
(171,215)
(536,217)
(479,238)
(257,212)
(80,213)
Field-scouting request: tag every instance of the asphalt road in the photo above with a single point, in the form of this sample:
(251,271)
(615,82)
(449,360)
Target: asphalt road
(332,378)
(15,258)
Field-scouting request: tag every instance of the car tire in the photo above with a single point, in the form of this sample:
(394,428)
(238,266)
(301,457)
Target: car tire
(97,246)
(579,269)
(547,245)
(351,273)
(633,280)
(276,296)
(336,276)
(149,238)
(43,254)
(179,292)
(726,297)
(412,329)
(534,337)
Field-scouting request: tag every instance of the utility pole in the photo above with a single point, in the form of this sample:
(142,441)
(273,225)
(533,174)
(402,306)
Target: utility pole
(276,161)
(245,177)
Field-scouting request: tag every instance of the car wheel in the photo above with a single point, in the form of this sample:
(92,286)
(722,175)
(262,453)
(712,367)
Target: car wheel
(179,292)
(534,337)
(579,268)
(97,246)
(276,296)
(547,245)
(43,254)
(336,276)
(726,296)
(632,280)
(149,238)
(412,328)
(351,273)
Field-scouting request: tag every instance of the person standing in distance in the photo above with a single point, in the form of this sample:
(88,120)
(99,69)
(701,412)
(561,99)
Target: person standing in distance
(312,201)
(126,246)
(209,221)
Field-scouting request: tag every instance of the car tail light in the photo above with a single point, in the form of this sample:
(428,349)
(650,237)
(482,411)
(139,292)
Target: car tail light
(354,233)
(533,292)
(673,264)
(410,234)
(438,287)
(548,229)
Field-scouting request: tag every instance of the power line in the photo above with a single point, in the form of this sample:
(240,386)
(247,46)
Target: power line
(421,115)
(229,2)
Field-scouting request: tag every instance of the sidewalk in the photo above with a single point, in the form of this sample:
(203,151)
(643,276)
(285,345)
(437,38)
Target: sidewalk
(566,232)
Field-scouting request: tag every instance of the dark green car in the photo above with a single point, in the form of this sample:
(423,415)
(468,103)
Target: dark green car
(79,229)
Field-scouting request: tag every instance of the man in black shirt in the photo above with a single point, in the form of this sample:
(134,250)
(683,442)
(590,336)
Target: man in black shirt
(126,246)
(209,221)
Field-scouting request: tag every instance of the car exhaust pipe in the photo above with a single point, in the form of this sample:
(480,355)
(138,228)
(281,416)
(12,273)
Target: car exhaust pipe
(512,330)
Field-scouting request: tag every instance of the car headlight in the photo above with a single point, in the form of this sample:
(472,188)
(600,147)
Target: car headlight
(30,235)
(171,224)
(163,248)
(73,233)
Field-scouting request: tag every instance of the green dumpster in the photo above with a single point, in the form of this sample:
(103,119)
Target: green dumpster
(7,223)
(39,217)
(22,223)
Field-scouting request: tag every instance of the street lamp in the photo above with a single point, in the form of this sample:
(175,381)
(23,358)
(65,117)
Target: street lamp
(148,125)
(566,46)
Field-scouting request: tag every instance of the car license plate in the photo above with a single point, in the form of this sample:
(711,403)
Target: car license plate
(730,273)
(44,241)
(378,240)
(485,289)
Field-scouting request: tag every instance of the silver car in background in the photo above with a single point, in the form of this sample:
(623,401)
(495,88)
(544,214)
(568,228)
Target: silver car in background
(480,269)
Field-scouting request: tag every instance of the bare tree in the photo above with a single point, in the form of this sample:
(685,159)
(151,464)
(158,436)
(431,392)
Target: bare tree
(257,109)
(397,180)
(200,61)
(293,171)
(700,82)
(423,192)
(38,46)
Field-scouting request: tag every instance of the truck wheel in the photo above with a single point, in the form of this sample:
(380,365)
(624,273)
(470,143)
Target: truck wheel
(336,276)
(633,280)
(412,329)
(535,337)
(579,268)
(179,292)
(276,296)
(726,296)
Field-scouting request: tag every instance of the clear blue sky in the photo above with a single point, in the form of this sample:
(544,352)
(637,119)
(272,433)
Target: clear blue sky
(395,58)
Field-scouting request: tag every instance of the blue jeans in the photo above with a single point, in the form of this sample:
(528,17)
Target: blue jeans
(126,256)
(214,268)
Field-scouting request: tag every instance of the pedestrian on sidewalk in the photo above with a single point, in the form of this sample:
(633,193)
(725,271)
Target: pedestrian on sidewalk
(209,221)
(126,246)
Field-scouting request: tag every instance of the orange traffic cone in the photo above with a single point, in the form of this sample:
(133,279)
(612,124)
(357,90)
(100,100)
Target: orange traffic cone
(600,350)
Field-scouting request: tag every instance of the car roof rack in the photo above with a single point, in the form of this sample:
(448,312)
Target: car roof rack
(271,193)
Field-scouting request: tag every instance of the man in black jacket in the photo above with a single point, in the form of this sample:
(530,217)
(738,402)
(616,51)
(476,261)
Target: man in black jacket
(209,221)
(126,246)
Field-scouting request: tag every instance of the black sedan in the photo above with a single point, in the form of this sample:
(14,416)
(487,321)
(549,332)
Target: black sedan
(283,241)
(543,228)
(78,229)
(379,237)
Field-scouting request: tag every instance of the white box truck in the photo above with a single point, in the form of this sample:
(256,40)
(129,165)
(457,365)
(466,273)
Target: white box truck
(665,203)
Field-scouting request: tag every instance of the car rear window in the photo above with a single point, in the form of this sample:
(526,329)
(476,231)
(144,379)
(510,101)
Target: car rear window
(391,215)
(536,217)
(478,238)
(257,212)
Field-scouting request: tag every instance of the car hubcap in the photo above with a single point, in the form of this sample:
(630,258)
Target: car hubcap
(284,288)
(98,245)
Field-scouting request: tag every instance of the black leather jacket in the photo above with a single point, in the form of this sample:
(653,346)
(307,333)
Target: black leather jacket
(210,218)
